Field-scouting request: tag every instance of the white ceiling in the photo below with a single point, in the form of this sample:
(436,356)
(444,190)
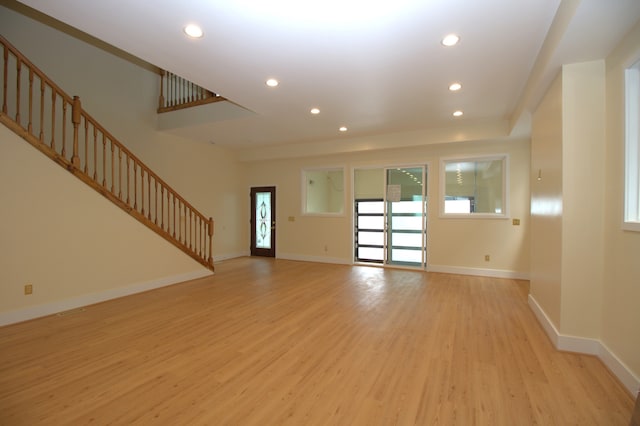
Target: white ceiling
(377,67)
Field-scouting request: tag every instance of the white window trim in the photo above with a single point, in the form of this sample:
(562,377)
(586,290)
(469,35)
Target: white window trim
(505,187)
(631,214)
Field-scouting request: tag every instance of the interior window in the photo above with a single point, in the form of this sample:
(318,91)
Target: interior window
(323,191)
(474,187)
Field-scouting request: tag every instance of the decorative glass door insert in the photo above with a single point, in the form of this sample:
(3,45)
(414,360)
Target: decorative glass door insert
(263,222)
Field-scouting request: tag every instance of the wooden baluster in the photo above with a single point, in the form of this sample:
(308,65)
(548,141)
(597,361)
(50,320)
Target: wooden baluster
(190,232)
(104,160)
(210,232)
(75,117)
(42,111)
(162,207)
(64,127)
(199,228)
(161,100)
(173,96)
(202,233)
(5,79)
(142,189)
(119,172)
(155,193)
(53,120)
(135,185)
(113,171)
(30,126)
(95,153)
(18,71)
(174,214)
(149,192)
(128,180)
(86,147)
(181,233)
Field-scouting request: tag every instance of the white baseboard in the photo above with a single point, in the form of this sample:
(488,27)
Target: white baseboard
(32,312)
(587,346)
(223,257)
(317,259)
(494,273)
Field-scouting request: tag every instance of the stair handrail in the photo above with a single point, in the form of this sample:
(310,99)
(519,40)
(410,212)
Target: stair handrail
(97,158)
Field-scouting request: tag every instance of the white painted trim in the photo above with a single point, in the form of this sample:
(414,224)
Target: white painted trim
(587,346)
(620,370)
(494,273)
(544,321)
(32,312)
(317,259)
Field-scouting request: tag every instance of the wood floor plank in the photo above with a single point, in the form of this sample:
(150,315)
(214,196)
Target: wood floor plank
(271,342)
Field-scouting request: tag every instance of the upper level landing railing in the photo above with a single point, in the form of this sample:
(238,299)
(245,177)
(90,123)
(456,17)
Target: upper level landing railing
(178,93)
(40,112)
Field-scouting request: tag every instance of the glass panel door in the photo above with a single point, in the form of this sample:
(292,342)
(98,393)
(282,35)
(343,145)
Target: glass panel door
(406,213)
(390,216)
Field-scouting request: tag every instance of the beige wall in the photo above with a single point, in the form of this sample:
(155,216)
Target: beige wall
(621,296)
(123,97)
(584,267)
(583,148)
(453,243)
(65,239)
(546,202)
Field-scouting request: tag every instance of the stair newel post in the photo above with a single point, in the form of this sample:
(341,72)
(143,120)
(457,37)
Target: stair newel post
(76,117)
(210,232)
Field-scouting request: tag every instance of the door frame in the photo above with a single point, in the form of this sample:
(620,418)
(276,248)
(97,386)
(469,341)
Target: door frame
(255,251)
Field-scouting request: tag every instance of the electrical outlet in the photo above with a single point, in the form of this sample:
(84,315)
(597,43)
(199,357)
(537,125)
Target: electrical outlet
(28,289)
(516,222)
(292,218)
(487,258)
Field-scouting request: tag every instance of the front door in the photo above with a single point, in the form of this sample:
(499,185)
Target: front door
(263,221)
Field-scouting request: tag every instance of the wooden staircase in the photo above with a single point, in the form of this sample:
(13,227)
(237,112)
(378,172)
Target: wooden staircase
(40,112)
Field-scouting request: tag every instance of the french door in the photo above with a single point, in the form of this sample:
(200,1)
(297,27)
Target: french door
(263,221)
(391,216)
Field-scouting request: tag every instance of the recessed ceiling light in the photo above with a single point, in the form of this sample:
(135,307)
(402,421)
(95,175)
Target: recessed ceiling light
(343,129)
(454,87)
(315,111)
(450,40)
(193,31)
(458,113)
(272,82)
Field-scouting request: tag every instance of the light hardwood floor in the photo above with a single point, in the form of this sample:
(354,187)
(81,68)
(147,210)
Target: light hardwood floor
(270,342)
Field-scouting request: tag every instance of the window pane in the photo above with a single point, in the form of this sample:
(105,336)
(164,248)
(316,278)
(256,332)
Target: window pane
(407,207)
(457,206)
(370,222)
(632,148)
(474,186)
(371,238)
(370,253)
(406,222)
(400,255)
(406,240)
(370,207)
(324,191)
